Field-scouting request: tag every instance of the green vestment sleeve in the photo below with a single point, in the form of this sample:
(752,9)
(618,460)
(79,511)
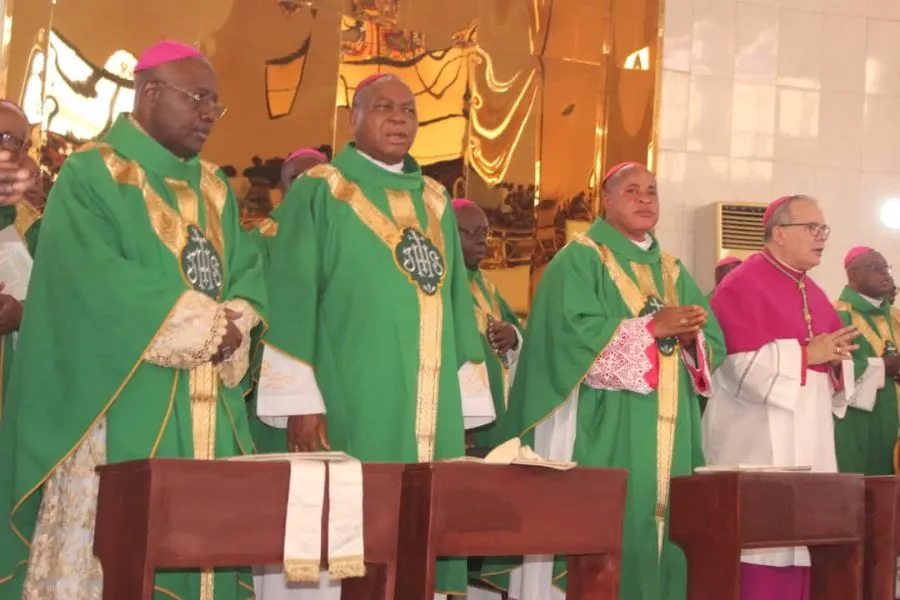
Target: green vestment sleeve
(509,315)
(294,264)
(567,330)
(63,294)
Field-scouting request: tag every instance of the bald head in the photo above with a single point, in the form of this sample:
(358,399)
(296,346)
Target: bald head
(177,103)
(14,129)
(383,119)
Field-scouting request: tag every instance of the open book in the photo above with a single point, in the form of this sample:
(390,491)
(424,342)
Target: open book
(512,452)
(319,456)
(753,468)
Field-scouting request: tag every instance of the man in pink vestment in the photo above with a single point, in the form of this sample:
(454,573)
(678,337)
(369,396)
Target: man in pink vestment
(774,395)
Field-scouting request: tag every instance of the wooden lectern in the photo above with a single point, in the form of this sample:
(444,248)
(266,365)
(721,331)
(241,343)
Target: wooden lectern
(882,537)
(713,516)
(174,514)
(471,509)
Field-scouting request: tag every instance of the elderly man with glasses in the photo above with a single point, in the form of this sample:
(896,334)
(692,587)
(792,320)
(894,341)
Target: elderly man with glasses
(774,395)
(136,337)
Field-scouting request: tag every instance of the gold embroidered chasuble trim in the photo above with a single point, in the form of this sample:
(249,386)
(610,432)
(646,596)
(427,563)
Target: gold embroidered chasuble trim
(431,307)
(488,305)
(26,216)
(876,340)
(267,228)
(171,228)
(635,297)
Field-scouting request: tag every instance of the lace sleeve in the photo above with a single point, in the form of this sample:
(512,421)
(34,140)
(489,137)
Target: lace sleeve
(191,335)
(232,371)
(629,361)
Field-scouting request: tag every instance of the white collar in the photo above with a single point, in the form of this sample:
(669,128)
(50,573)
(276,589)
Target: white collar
(872,301)
(398,168)
(645,243)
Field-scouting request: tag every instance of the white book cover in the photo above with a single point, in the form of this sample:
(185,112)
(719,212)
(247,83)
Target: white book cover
(15,264)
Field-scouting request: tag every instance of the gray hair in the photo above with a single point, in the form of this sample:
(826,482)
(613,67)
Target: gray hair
(782,214)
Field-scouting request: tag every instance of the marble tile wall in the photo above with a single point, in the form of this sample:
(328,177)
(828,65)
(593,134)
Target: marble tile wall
(773,97)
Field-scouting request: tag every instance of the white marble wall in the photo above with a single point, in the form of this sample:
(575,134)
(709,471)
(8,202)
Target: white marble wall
(773,97)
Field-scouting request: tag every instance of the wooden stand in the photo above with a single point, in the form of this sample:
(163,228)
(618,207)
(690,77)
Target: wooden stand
(462,509)
(714,516)
(882,537)
(176,514)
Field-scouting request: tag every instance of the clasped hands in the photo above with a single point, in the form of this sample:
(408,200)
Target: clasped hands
(683,322)
(502,336)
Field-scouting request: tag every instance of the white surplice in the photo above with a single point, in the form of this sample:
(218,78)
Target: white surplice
(761,413)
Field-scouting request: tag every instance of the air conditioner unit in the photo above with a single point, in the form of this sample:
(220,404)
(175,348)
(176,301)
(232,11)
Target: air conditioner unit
(726,229)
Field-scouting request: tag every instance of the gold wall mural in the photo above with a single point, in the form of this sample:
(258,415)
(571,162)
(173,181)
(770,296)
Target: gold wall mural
(523,103)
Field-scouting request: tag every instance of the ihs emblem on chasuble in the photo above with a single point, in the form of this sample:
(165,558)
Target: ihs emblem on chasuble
(653,306)
(420,259)
(200,264)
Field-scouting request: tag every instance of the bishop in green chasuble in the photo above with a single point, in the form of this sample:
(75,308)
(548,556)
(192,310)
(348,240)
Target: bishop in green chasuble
(621,344)
(372,348)
(866,435)
(141,302)
(24,220)
(501,332)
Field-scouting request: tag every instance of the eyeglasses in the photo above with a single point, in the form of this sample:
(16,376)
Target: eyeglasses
(11,142)
(479,233)
(882,269)
(817,230)
(203,102)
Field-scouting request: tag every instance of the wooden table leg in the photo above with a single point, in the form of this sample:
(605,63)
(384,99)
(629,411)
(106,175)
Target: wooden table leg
(836,572)
(713,573)
(880,578)
(122,539)
(593,576)
(374,586)
(414,541)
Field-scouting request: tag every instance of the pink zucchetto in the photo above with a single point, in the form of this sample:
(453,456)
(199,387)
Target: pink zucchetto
(164,52)
(306,152)
(770,210)
(366,82)
(461,203)
(615,169)
(855,253)
(728,260)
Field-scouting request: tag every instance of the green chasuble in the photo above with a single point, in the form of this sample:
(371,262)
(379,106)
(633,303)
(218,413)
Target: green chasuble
(368,286)
(27,221)
(589,288)
(129,230)
(488,301)
(864,441)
